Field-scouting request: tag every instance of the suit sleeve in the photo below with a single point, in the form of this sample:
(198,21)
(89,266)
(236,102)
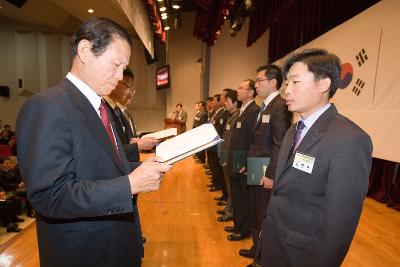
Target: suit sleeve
(132,152)
(47,164)
(280,122)
(345,192)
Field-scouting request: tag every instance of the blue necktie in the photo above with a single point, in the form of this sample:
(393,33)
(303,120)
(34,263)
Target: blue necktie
(297,137)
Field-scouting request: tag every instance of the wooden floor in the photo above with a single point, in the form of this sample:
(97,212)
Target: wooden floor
(180,224)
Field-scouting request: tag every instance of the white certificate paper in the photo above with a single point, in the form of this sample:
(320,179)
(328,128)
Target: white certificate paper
(163,133)
(188,143)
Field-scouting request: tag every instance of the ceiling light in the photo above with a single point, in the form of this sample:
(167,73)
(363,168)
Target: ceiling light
(90,11)
(162,9)
(164,16)
(160,0)
(166,28)
(176,6)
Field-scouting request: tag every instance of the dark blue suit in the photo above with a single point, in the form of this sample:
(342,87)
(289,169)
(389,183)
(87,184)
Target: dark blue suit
(76,182)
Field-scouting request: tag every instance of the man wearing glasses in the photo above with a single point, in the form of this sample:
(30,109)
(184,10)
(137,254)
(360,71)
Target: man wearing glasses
(118,101)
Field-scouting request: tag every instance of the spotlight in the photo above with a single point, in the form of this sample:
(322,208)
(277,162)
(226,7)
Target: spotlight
(175,5)
(162,9)
(166,28)
(90,11)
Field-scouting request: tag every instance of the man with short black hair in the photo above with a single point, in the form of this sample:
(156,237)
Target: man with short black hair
(272,123)
(181,116)
(322,171)
(237,162)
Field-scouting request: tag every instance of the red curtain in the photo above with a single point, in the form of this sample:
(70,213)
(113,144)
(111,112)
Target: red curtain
(294,23)
(384,182)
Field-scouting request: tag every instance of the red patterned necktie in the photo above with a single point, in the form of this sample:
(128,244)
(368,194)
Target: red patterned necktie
(107,125)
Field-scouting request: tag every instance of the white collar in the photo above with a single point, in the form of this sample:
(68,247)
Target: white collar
(243,107)
(270,98)
(88,92)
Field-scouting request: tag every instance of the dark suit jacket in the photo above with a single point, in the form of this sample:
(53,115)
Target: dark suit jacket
(240,137)
(76,182)
(131,150)
(200,118)
(311,218)
(219,120)
(267,136)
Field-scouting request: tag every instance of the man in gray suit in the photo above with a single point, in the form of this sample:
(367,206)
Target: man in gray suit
(322,171)
(181,116)
(73,164)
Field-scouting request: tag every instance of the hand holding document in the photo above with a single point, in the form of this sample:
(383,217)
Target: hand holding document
(188,143)
(163,134)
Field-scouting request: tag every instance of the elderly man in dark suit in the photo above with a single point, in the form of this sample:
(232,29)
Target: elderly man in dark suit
(322,172)
(72,161)
(272,123)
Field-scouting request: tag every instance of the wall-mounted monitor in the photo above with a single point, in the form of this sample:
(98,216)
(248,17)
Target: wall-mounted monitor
(163,77)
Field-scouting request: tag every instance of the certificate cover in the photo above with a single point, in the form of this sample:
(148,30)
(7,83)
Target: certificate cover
(239,160)
(256,169)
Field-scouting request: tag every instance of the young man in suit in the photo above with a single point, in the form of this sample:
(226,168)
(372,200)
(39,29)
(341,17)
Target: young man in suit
(272,123)
(72,161)
(238,147)
(322,172)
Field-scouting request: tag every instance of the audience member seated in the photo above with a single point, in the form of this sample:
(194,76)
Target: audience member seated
(8,213)
(11,182)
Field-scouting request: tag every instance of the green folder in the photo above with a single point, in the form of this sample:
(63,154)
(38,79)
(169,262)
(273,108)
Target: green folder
(256,169)
(239,160)
(223,155)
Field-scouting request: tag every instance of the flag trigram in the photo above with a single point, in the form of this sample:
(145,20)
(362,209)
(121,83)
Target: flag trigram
(361,57)
(357,88)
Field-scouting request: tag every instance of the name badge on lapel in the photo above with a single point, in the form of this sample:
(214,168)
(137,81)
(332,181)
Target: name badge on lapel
(265,119)
(239,125)
(221,121)
(228,127)
(303,162)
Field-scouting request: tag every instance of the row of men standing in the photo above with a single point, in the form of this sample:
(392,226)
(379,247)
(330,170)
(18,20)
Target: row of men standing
(249,131)
(305,208)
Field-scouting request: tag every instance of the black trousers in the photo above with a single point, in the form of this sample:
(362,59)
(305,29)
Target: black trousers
(259,198)
(240,204)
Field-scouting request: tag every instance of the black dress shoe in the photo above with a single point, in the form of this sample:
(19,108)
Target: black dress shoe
(224,218)
(247,253)
(222,203)
(222,212)
(254,264)
(17,220)
(213,189)
(237,237)
(13,229)
(229,229)
(219,198)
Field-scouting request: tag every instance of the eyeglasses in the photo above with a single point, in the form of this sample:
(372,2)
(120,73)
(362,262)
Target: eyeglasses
(260,80)
(242,88)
